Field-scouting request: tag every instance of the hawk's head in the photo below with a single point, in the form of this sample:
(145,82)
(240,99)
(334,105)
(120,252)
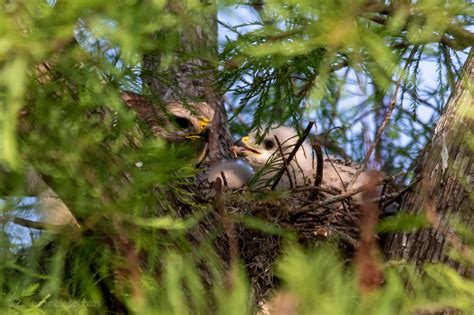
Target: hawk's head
(265,156)
(175,122)
(258,153)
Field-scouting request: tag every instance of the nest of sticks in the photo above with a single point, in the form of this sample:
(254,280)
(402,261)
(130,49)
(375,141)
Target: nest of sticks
(322,220)
(313,213)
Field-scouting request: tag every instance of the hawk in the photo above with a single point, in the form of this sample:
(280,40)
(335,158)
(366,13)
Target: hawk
(175,122)
(233,173)
(266,158)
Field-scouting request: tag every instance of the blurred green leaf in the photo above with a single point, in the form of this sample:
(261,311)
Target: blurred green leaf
(403,221)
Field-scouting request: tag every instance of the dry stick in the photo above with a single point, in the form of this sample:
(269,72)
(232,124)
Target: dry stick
(301,170)
(229,228)
(224,179)
(345,195)
(378,135)
(35,224)
(329,159)
(382,194)
(348,239)
(335,191)
(392,197)
(319,164)
(285,163)
(319,189)
(340,197)
(319,170)
(293,153)
(331,200)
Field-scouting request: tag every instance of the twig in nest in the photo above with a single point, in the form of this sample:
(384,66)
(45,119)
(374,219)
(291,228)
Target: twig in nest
(378,135)
(293,153)
(203,156)
(319,169)
(327,154)
(229,228)
(285,163)
(347,239)
(337,198)
(319,164)
(224,179)
(328,190)
(392,197)
(382,195)
(301,171)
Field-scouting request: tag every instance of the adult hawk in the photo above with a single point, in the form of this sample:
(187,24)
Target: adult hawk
(175,122)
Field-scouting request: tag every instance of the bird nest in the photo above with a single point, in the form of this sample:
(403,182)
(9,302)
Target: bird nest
(313,214)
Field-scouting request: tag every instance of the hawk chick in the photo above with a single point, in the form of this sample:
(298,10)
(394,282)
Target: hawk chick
(266,157)
(233,173)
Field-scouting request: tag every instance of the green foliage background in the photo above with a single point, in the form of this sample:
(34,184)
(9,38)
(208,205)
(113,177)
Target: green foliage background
(338,62)
(295,65)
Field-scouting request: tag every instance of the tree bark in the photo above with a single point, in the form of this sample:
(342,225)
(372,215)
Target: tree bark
(191,76)
(446,189)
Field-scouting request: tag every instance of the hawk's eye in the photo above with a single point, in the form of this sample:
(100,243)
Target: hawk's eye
(182,122)
(269,144)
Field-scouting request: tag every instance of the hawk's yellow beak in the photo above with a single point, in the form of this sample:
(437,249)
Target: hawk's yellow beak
(244,144)
(202,132)
(203,123)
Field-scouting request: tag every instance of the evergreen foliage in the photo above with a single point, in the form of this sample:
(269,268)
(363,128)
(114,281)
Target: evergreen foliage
(62,66)
(339,63)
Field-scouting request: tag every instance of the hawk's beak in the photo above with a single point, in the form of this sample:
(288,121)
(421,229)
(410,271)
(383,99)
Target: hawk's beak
(202,133)
(242,147)
(203,123)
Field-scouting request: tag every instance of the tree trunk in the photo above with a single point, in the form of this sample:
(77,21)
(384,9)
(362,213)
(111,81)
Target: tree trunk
(189,77)
(446,189)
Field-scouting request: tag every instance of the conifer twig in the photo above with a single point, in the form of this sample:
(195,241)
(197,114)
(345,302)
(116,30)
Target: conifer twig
(386,120)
